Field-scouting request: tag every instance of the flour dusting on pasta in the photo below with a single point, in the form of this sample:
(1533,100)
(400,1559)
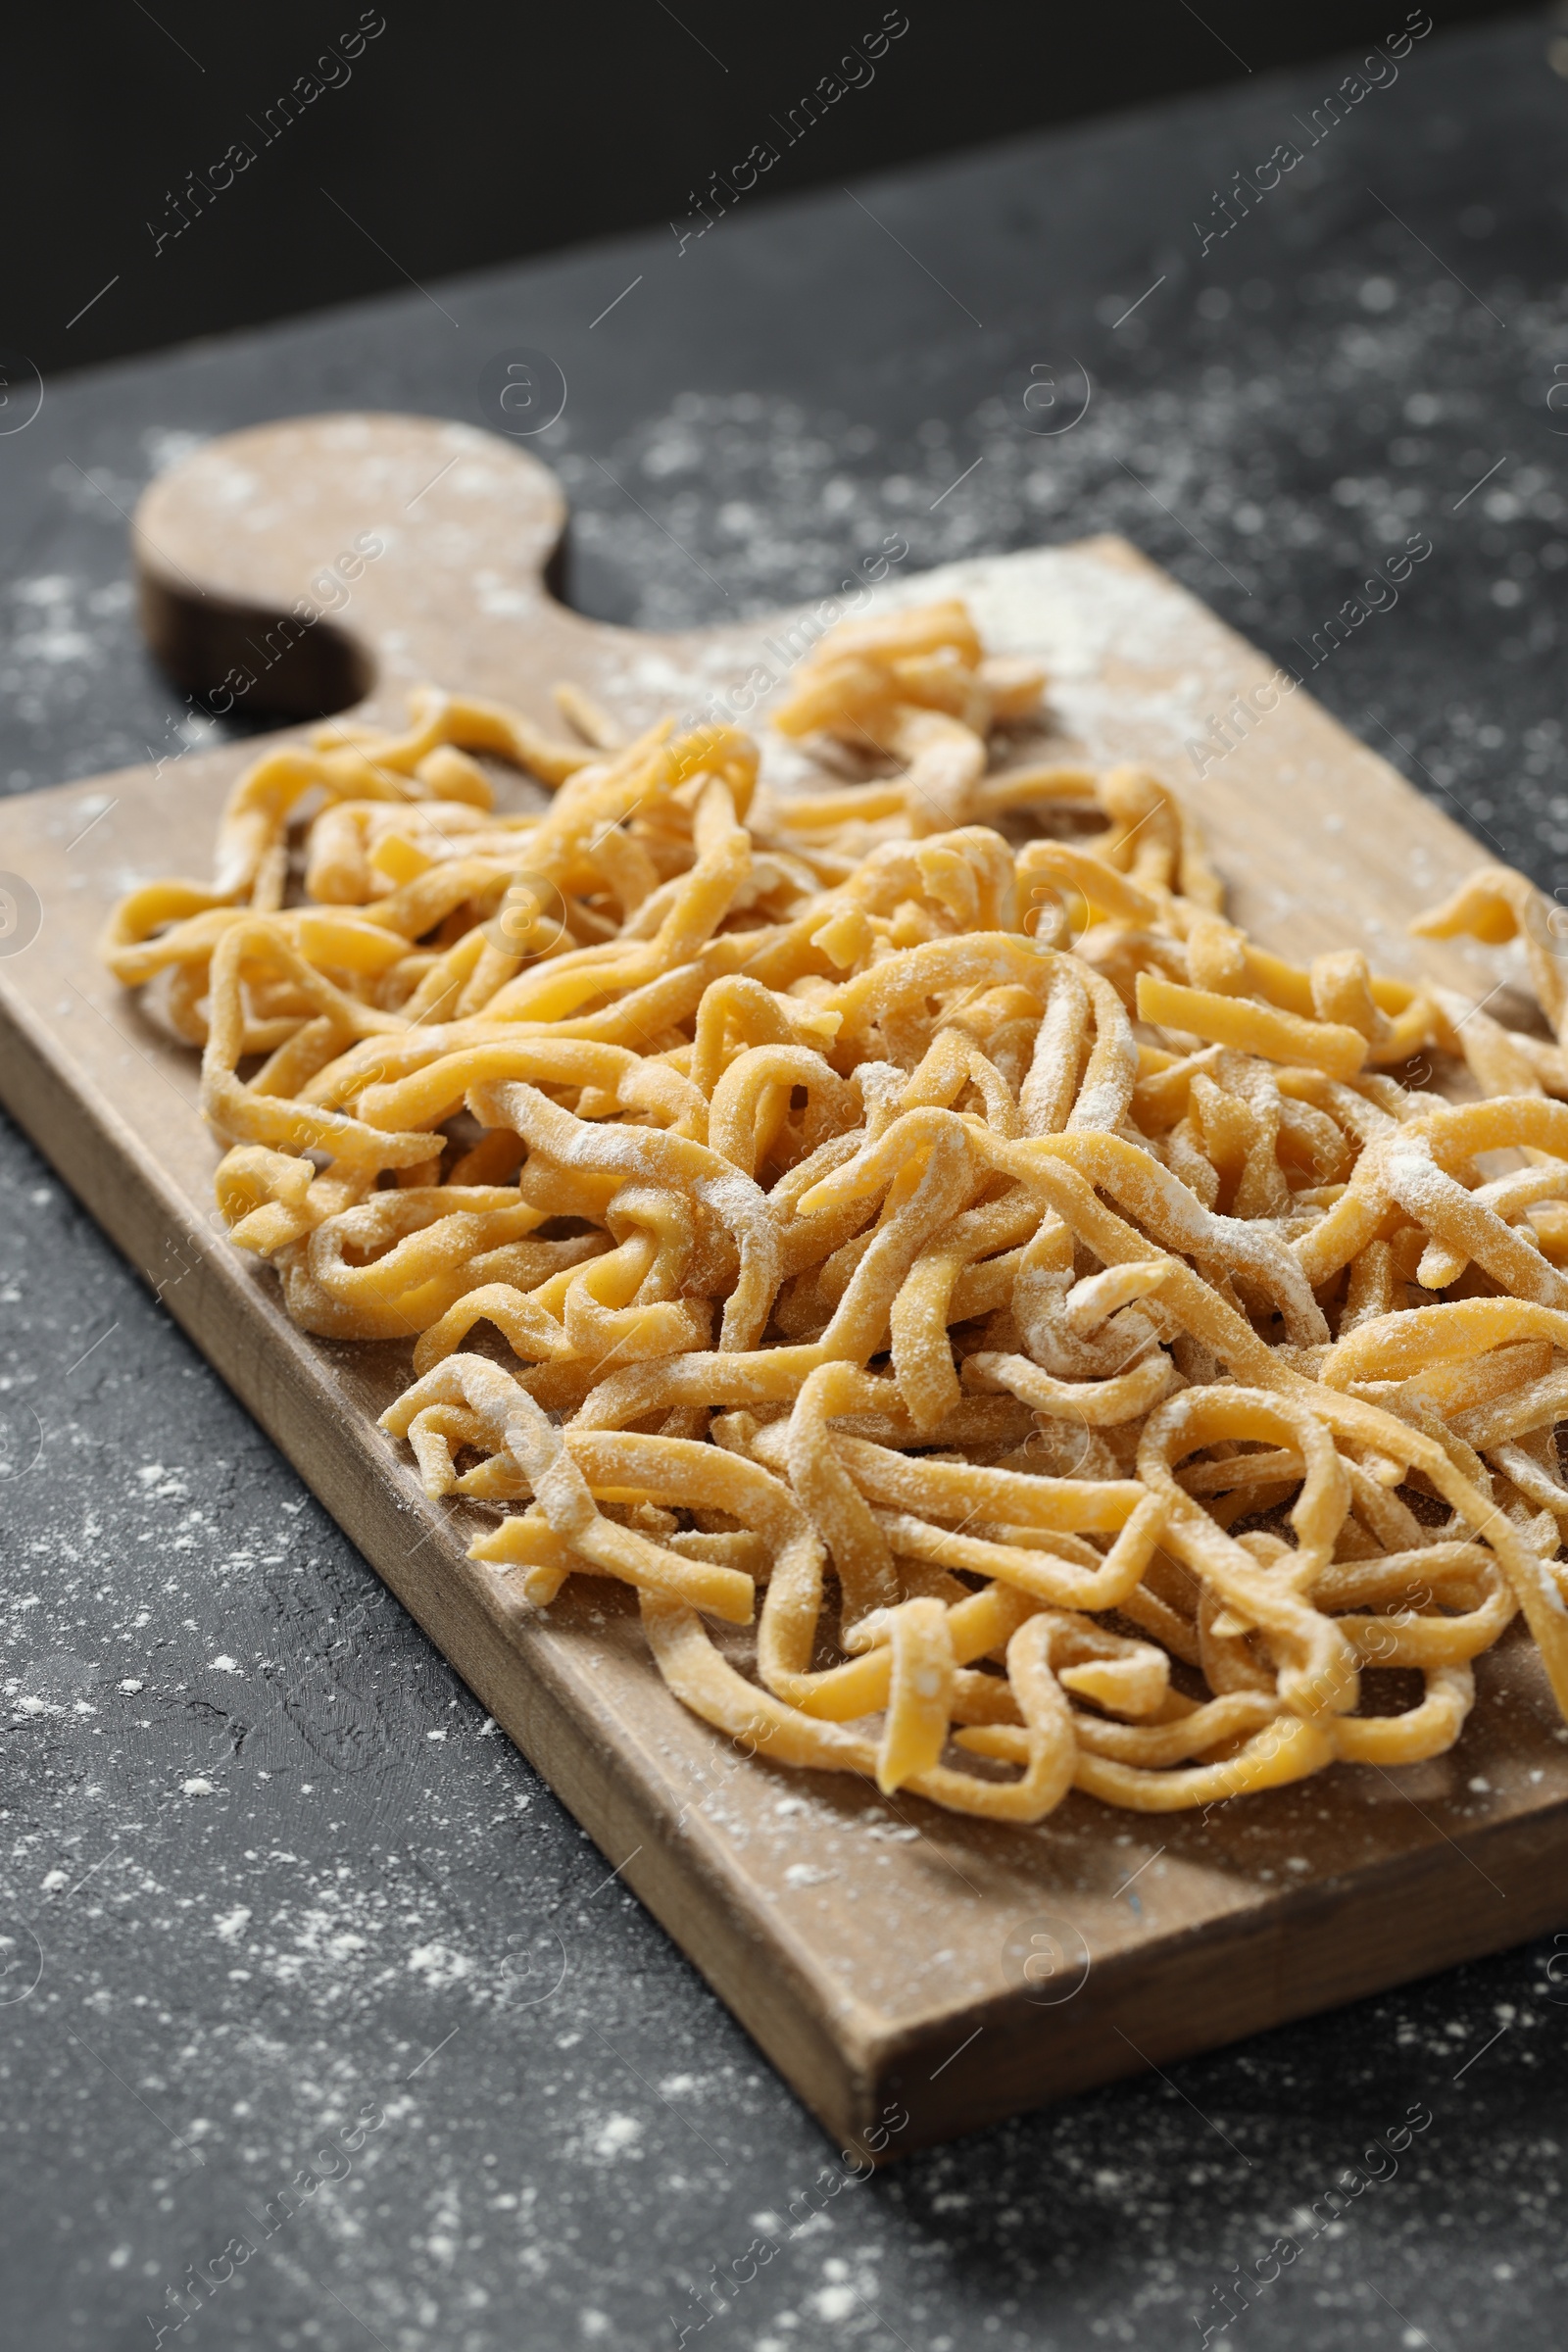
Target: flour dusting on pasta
(902,1222)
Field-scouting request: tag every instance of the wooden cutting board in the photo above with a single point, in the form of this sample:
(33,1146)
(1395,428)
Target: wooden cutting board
(894,1961)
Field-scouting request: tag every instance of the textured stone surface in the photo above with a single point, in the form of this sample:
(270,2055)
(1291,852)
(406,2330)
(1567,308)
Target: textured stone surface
(261,1860)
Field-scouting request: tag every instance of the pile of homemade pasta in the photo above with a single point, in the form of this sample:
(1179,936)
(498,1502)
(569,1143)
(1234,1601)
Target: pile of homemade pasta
(1012,1332)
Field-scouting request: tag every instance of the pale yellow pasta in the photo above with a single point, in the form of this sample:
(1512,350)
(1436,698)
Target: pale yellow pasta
(912,1230)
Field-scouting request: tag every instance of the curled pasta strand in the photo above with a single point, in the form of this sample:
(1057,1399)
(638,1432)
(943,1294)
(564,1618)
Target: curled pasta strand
(918,1232)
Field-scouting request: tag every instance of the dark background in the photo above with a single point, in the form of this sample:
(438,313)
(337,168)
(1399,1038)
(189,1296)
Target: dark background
(469,135)
(261,1857)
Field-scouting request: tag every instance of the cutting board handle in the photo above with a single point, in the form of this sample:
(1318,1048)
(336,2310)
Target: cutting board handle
(301,567)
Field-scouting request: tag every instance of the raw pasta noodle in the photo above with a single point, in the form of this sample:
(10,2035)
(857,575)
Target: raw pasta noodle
(905,1226)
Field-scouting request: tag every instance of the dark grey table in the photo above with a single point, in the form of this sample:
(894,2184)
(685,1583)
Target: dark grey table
(267,1869)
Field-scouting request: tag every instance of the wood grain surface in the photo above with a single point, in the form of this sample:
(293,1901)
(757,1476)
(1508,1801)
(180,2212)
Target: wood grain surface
(893,1960)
